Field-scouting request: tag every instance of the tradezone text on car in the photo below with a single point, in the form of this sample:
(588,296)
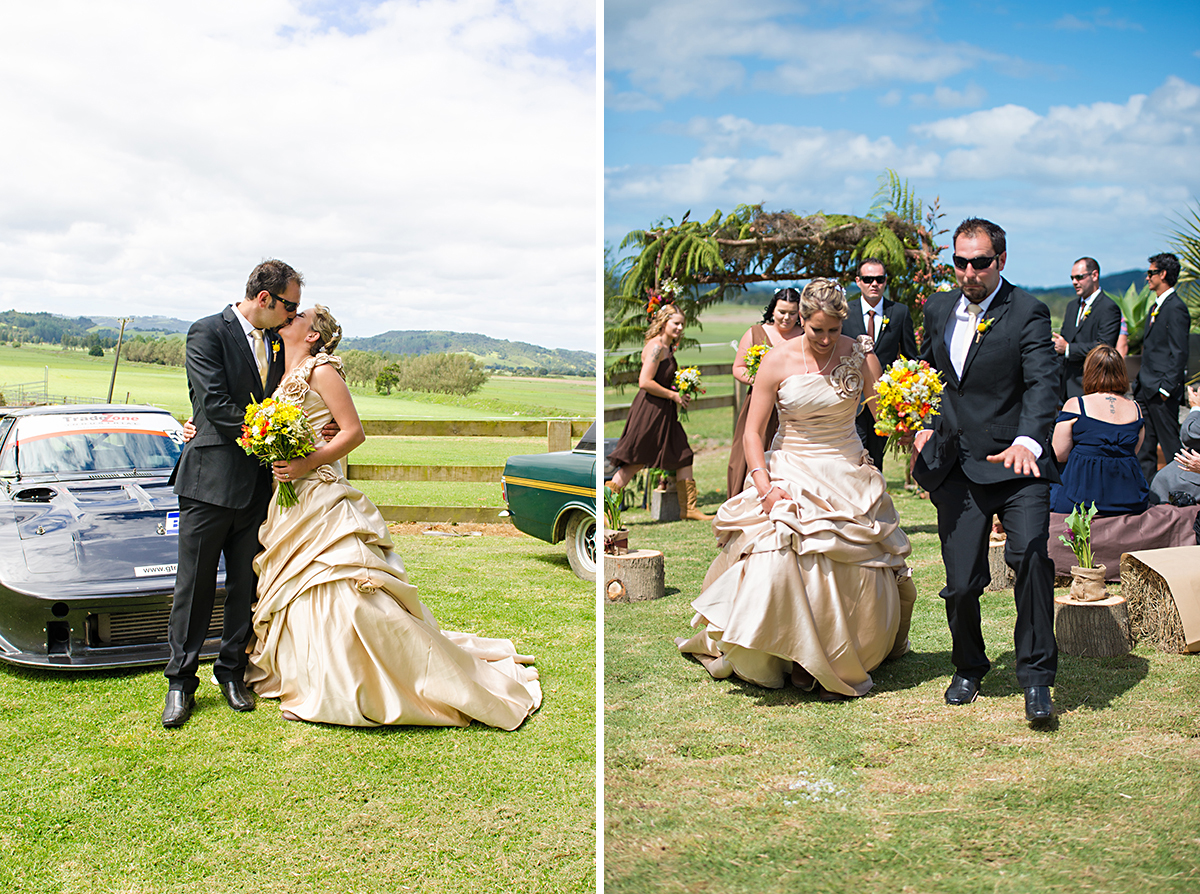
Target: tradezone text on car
(89,536)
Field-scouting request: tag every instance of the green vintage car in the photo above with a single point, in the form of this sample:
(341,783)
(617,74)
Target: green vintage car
(552,496)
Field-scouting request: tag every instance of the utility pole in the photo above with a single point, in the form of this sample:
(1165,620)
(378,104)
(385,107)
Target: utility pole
(117,356)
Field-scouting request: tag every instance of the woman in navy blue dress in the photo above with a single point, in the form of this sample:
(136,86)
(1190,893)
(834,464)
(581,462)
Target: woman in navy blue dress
(1098,436)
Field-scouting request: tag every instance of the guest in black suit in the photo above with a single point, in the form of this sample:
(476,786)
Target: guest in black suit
(1091,319)
(1159,387)
(232,358)
(988,455)
(889,323)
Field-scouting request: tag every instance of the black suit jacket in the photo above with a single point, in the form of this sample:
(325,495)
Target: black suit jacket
(222,380)
(893,332)
(1165,351)
(1009,389)
(1101,327)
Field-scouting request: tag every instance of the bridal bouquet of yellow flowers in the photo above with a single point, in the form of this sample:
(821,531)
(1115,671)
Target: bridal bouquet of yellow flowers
(910,394)
(277,430)
(687,383)
(754,356)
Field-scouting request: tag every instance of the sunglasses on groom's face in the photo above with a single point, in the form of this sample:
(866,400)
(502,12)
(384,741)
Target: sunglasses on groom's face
(289,306)
(880,280)
(981,263)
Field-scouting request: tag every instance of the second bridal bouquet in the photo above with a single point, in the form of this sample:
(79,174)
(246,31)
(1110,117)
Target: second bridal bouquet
(754,356)
(277,430)
(687,383)
(910,394)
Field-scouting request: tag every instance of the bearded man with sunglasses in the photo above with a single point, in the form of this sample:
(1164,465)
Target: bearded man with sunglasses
(988,455)
(232,358)
(890,325)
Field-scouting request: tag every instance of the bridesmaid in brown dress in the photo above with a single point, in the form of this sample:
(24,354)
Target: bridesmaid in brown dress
(779,323)
(653,436)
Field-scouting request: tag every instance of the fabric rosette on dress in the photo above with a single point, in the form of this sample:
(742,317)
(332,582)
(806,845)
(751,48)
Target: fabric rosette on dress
(341,635)
(817,580)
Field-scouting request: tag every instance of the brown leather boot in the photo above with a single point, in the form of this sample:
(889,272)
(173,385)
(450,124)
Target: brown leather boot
(687,490)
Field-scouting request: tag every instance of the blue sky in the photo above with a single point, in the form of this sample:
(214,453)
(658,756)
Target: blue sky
(1074,126)
(426,164)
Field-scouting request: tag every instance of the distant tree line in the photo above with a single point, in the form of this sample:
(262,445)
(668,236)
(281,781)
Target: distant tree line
(436,373)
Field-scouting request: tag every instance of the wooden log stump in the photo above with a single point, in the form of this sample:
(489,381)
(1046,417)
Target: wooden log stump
(664,505)
(1002,576)
(635,576)
(1092,629)
(1153,615)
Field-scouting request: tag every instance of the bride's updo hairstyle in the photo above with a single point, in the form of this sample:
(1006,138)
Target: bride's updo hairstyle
(661,316)
(322,322)
(826,296)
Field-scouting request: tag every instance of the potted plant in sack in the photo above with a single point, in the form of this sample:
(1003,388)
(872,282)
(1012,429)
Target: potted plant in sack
(616,538)
(1087,578)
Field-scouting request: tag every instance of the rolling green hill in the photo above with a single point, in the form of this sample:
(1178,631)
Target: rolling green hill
(491,353)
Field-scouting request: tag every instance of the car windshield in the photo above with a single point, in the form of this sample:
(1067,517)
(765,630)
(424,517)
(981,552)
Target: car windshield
(51,444)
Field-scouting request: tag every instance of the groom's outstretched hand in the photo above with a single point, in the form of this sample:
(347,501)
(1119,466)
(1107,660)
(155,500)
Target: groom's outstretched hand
(330,430)
(1019,459)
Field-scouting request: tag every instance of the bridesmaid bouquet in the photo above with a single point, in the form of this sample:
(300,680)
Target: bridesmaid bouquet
(910,394)
(754,356)
(687,383)
(275,430)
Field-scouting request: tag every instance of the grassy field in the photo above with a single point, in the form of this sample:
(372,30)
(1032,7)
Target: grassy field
(725,787)
(78,375)
(97,796)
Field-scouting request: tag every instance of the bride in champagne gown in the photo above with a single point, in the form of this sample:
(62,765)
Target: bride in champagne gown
(811,582)
(341,636)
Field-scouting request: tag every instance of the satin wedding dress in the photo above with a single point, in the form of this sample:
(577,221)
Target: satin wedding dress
(341,636)
(821,580)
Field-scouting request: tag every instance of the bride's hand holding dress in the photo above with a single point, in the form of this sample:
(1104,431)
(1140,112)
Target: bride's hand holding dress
(811,582)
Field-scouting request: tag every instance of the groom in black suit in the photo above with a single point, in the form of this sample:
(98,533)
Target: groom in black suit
(889,323)
(232,358)
(988,454)
(1091,319)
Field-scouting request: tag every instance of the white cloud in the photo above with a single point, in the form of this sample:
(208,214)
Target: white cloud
(948,98)
(676,48)
(1154,137)
(426,165)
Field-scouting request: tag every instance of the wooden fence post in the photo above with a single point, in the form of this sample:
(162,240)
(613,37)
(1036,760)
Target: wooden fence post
(558,435)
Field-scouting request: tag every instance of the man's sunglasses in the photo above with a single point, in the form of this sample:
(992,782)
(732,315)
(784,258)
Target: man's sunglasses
(873,279)
(981,263)
(1152,272)
(289,306)
(1075,278)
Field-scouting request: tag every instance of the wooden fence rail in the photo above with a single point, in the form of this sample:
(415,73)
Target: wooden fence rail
(560,434)
(617,414)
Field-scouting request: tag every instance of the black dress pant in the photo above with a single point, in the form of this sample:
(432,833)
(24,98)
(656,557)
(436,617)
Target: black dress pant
(1162,427)
(965,510)
(874,444)
(207,531)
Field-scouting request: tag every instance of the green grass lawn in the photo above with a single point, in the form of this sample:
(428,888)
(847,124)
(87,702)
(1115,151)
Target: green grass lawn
(722,786)
(96,796)
(77,375)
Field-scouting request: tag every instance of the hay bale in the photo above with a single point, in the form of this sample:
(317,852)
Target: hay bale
(1153,616)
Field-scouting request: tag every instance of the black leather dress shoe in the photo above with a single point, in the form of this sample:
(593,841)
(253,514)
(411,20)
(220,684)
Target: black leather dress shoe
(962,690)
(178,708)
(1038,707)
(239,697)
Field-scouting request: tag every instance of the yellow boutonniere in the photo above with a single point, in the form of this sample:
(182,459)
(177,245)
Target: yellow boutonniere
(274,349)
(982,327)
(1087,312)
